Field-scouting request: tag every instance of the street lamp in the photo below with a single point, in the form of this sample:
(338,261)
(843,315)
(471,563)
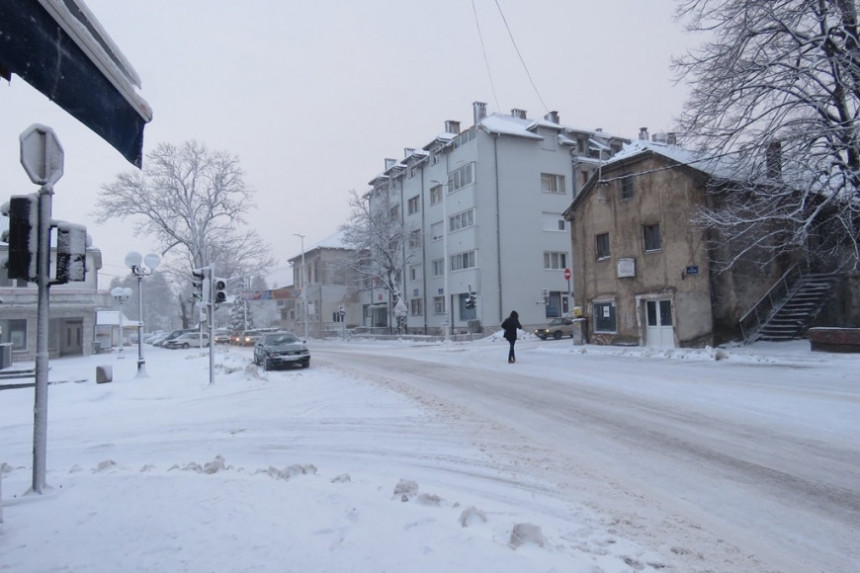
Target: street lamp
(120,294)
(150,262)
(304,294)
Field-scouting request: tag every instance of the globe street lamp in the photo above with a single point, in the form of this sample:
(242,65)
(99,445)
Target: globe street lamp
(150,262)
(120,294)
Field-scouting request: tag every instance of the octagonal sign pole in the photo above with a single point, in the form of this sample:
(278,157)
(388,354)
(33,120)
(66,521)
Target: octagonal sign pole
(42,159)
(41,154)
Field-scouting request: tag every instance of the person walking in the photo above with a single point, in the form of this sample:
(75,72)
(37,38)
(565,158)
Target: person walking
(510,326)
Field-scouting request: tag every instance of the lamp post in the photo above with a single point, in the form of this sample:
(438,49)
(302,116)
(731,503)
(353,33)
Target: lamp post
(149,263)
(304,294)
(120,294)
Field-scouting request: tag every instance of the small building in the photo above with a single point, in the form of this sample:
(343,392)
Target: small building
(641,268)
(323,275)
(72,312)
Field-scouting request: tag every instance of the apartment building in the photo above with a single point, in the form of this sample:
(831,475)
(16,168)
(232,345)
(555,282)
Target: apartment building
(483,212)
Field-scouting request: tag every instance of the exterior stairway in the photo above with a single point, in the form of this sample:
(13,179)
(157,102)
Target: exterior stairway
(799,309)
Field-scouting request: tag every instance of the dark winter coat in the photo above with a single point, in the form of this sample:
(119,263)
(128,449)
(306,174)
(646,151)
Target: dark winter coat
(511,325)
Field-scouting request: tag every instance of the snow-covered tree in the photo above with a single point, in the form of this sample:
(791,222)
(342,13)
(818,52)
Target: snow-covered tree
(775,95)
(193,202)
(377,237)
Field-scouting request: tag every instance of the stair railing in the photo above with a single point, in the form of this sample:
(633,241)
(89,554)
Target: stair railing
(754,320)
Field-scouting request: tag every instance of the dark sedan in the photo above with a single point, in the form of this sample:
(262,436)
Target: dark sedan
(281,349)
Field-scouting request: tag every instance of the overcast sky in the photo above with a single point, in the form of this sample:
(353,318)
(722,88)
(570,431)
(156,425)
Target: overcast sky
(313,95)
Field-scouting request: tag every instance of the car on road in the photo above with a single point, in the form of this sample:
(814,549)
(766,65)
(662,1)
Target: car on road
(275,349)
(188,340)
(557,327)
(222,336)
(174,334)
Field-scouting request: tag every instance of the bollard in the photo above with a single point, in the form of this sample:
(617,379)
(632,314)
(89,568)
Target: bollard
(104,374)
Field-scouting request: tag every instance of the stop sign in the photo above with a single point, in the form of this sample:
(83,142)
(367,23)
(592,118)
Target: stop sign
(41,154)
(567,274)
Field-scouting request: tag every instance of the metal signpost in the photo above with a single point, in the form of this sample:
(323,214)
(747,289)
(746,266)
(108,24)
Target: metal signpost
(42,159)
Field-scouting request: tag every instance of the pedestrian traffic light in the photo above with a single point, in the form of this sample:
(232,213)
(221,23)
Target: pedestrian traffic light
(219,293)
(197,279)
(71,253)
(22,236)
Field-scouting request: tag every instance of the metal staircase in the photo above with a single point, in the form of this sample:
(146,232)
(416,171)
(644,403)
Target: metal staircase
(789,308)
(798,311)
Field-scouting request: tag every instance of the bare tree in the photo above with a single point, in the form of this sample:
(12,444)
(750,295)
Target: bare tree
(378,238)
(775,95)
(193,202)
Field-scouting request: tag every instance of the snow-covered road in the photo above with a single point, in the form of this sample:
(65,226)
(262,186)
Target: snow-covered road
(765,456)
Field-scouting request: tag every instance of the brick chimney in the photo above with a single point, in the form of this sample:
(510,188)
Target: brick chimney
(479,111)
(452,126)
(552,117)
(643,133)
(518,113)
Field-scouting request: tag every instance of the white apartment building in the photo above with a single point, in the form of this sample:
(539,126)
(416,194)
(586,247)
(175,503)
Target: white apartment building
(483,211)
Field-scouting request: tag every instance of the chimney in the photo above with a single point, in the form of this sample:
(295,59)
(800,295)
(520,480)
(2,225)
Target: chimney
(773,158)
(452,126)
(407,151)
(552,117)
(479,111)
(672,138)
(643,133)
(519,113)
(389,163)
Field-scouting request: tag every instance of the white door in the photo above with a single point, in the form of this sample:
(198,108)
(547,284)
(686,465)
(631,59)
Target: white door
(658,324)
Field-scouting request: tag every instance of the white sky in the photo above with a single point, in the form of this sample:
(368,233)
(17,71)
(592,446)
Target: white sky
(617,460)
(312,96)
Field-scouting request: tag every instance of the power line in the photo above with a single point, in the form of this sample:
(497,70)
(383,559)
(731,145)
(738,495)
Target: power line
(484,51)
(522,61)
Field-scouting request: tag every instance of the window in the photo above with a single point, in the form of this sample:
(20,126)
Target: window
(435,194)
(551,183)
(602,246)
(554,261)
(394,212)
(461,220)
(413,273)
(15,331)
(461,177)
(604,317)
(436,230)
(415,239)
(438,268)
(462,261)
(413,205)
(652,238)
(627,187)
(416,307)
(438,305)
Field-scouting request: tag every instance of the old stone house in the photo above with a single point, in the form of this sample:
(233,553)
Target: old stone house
(641,269)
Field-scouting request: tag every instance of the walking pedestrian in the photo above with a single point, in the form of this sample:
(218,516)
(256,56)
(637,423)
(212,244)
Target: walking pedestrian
(510,326)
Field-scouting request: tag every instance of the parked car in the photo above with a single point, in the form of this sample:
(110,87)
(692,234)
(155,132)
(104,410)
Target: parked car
(188,340)
(281,349)
(557,327)
(174,334)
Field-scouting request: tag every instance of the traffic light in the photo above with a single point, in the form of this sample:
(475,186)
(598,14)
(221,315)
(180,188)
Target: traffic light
(219,291)
(197,279)
(22,236)
(71,253)
(471,300)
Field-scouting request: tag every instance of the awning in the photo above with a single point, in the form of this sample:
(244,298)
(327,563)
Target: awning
(59,48)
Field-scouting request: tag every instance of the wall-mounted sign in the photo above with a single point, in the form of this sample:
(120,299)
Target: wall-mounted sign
(692,270)
(626,267)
